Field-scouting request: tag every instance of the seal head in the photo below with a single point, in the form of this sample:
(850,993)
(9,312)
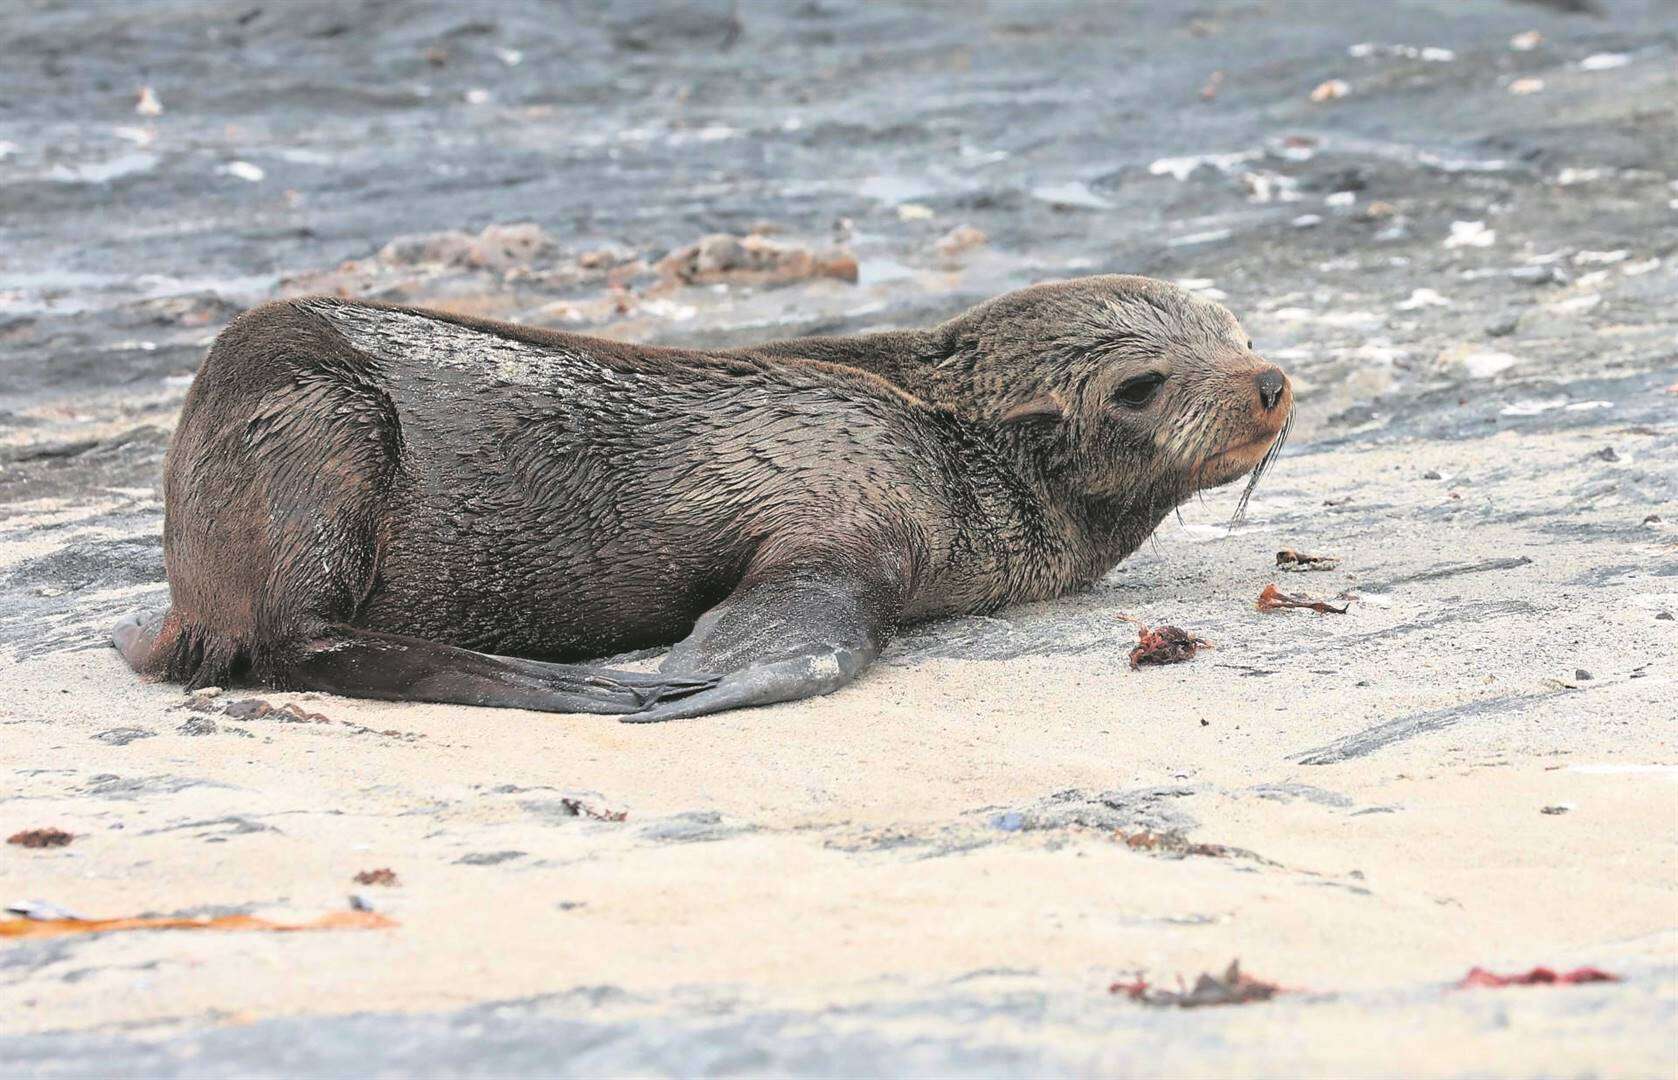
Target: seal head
(1124,384)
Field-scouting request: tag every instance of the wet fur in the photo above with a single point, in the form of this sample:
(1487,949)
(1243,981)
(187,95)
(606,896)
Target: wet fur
(534,494)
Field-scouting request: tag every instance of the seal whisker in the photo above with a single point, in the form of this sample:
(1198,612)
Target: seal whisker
(1261,468)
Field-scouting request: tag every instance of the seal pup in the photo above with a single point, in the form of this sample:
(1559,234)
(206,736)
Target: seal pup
(387,502)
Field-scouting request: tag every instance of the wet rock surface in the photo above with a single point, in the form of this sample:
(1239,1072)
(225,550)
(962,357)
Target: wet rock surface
(1465,252)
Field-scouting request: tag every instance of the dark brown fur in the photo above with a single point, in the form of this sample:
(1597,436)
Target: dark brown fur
(350,472)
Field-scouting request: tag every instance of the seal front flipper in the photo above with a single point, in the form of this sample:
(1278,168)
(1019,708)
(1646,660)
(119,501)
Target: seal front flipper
(135,637)
(788,632)
(394,667)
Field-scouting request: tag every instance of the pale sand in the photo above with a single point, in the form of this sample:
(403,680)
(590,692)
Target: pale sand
(856,856)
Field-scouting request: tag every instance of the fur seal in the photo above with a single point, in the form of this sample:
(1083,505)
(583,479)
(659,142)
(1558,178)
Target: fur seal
(387,502)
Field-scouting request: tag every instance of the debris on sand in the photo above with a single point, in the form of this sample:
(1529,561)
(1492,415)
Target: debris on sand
(456,266)
(1172,843)
(256,709)
(1274,599)
(497,247)
(384,875)
(1164,645)
(1231,988)
(41,838)
(753,260)
(1539,976)
(1330,90)
(337,920)
(959,239)
(1470,234)
(1298,561)
(292,713)
(579,808)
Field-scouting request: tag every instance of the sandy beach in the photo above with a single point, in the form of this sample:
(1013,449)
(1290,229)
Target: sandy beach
(945,868)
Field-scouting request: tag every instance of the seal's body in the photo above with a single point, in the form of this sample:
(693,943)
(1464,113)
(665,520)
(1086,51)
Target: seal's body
(387,502)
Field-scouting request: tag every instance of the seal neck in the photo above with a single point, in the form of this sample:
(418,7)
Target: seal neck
(903,358)
(1100,530)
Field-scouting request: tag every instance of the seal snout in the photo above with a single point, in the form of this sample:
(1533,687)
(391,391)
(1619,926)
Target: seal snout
(1272,400)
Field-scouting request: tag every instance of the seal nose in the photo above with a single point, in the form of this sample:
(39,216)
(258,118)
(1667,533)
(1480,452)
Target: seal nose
(1271,382)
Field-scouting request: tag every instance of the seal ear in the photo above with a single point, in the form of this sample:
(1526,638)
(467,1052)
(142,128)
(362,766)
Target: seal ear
(1046,407)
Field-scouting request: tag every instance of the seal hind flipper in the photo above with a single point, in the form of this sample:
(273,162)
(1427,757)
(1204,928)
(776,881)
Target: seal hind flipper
(791,632)
(395,667)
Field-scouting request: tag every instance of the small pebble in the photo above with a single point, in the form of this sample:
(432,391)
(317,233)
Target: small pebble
(243,170)
(1604,61)
(1558,808)
(1582,675)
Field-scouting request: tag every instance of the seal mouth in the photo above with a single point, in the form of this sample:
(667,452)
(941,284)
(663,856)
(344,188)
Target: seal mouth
(1254,456)
(1234,461)
(1237,459)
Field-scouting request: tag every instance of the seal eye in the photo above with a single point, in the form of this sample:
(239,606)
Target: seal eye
(1139,391)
